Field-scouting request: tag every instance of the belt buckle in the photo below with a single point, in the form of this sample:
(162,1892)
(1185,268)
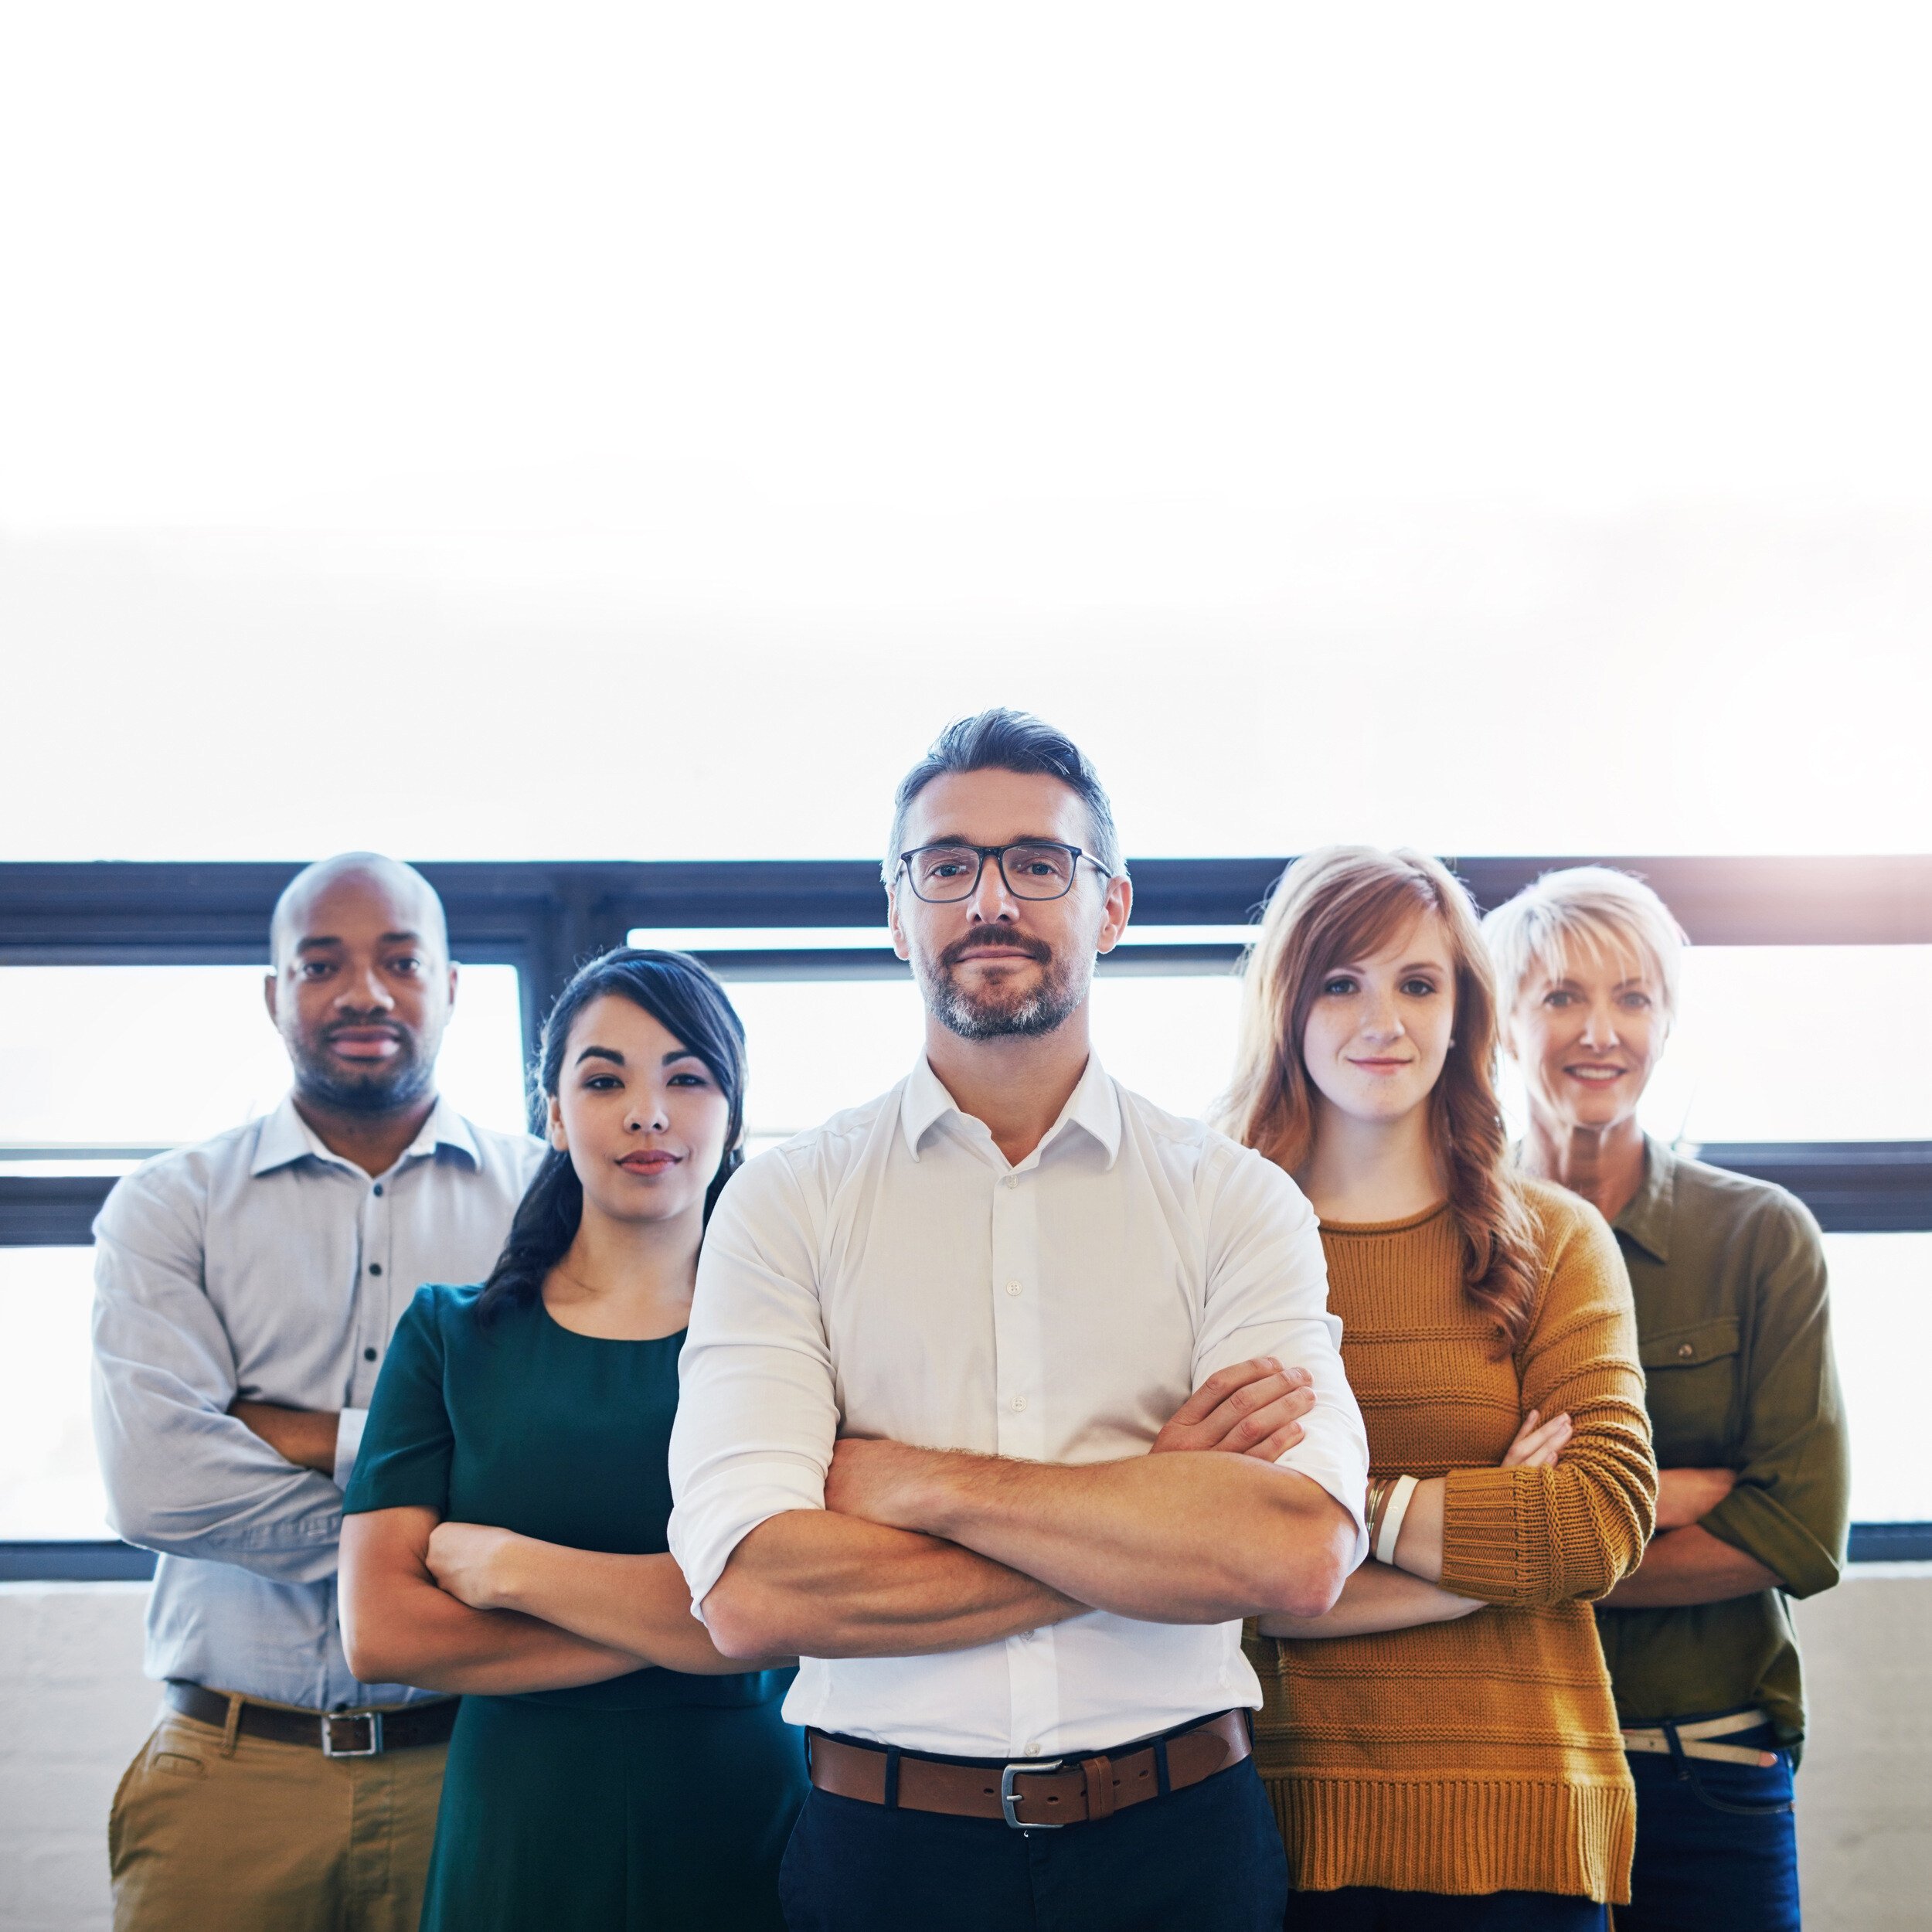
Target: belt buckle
(372,1718)
(1009,1798)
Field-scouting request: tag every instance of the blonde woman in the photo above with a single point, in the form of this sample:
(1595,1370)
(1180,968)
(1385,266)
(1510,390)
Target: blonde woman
(1441,1748)
(1732,1316)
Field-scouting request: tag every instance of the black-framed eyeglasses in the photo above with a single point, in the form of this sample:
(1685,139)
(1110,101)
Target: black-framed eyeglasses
(1034,868)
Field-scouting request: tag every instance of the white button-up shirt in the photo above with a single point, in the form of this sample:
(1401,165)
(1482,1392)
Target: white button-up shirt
(261,1264)
(891,1275)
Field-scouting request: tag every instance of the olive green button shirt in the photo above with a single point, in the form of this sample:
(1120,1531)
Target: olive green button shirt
(1734,1338)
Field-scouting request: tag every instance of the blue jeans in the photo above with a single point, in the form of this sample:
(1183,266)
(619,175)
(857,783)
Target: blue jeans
(1209,1859)
(1699,1864)
(1369,1908)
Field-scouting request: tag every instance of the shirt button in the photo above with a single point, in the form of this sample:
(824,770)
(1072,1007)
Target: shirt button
(376,1268)
(1012,1180)
(379,1187)
(1012,1287)
(368,1354)
(1686,1349)
(1018,1404)
(1032,1747)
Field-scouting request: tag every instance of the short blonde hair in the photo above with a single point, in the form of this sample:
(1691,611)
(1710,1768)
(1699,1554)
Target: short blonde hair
(1590,911)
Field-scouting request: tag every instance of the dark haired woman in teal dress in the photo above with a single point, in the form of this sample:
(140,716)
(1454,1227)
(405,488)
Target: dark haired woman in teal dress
(644,1780)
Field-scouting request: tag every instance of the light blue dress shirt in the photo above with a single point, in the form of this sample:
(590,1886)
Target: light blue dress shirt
(260,1264)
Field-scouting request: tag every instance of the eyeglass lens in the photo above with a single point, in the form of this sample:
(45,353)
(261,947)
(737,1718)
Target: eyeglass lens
(949,873)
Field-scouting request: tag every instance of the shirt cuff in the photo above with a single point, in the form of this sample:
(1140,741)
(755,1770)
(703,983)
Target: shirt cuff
(348,1439)
(706,1529)
(1750,1519)
(1338,1474)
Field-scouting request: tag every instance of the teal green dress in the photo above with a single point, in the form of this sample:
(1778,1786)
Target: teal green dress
(656,1800)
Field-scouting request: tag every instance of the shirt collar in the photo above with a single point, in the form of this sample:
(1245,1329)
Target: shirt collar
(1647,1218)
(1094,1105)
(285,1137)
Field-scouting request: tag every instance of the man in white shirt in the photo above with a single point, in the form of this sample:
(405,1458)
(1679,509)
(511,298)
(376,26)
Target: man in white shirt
(246,1291)
(933,1344)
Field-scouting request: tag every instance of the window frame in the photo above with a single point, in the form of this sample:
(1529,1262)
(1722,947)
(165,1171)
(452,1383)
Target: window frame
(542,917)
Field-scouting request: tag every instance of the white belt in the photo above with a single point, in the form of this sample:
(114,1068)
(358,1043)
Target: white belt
(1692,1738)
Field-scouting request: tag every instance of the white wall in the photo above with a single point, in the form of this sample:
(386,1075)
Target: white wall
(74,1708)
(1864,1789)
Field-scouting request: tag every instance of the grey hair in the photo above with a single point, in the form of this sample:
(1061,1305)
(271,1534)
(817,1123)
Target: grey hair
(1593,911)
(1003,740)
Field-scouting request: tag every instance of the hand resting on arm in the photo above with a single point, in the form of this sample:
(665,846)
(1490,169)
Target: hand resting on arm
(637,1605)
(1170,1538)
(1382,1597)
(1252,1408)
(1685,1563)
(398,1627)
(842,1583)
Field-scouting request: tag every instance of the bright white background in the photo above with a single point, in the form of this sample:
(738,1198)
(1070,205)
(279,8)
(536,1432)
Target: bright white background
(631,431)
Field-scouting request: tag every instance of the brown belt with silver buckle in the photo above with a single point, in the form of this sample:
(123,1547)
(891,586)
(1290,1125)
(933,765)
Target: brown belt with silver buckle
(1033,1794)
(366,1733)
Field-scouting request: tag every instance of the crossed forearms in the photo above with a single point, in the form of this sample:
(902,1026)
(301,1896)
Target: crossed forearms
(416,1639)
(305,1437)
(399,1628)
(922,1550)
(1377,1597)
(1690,1566)
(917,1551)
(1685,1563)
(639,1604)
(1176,1539)
(817,1583)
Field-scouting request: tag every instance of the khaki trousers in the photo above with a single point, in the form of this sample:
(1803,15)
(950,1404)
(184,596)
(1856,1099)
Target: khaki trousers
(210,1834)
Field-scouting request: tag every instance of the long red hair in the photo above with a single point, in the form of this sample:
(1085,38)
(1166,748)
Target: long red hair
(1333,908)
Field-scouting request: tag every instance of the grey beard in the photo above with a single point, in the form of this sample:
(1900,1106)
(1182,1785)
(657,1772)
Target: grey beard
(1058,998)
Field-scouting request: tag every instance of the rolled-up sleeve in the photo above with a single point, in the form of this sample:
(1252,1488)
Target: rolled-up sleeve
(1790,1505)
(757,1407)
(181,1475)
(1267,1295)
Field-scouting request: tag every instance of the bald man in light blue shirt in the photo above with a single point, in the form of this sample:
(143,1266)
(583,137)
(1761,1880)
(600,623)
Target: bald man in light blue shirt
(246,1291)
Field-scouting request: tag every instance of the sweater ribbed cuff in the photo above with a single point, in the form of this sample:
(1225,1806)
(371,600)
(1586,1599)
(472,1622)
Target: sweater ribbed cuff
(1531,1536)
(1485,1552)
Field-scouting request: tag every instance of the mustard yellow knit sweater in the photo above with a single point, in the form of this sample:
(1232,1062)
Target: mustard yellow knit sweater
(1481,1755)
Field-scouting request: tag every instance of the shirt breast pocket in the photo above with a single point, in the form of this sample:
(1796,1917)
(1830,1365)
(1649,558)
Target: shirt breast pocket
(1691,1377)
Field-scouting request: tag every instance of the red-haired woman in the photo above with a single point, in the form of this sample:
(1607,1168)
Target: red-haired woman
(1430,1767)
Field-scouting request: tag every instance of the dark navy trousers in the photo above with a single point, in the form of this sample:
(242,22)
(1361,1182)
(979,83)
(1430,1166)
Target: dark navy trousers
(1715,1846)
(1369,1908)
(1205,1859)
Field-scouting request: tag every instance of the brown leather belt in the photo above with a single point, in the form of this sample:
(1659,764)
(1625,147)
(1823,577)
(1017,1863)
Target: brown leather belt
(1033,1795)
(366,1733)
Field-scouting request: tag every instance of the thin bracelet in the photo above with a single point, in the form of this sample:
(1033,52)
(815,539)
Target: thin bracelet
(1389,1530)
(1383,1484)
(1378,1499)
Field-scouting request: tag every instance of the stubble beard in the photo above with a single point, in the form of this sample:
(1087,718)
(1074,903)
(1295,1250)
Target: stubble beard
(992,1013)
(388,1088)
